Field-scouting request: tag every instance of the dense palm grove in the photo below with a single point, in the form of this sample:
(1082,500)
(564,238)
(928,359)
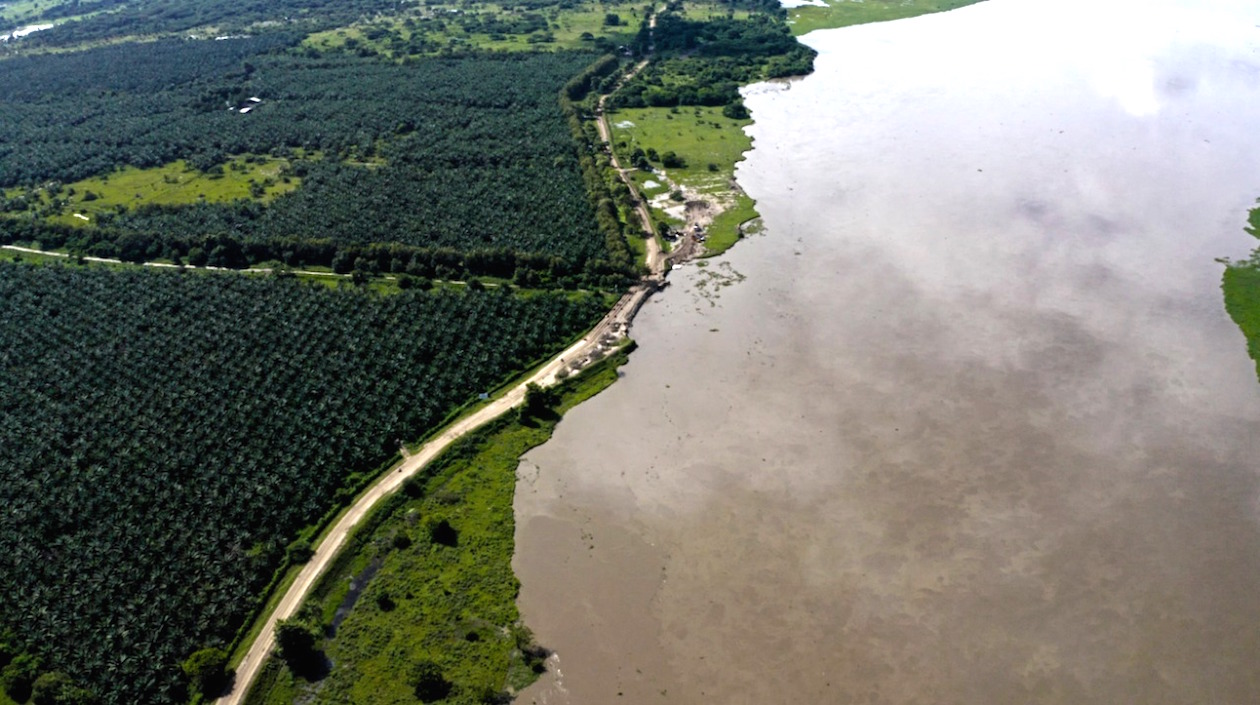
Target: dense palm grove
(468,155)
(105,19)
(163,435)
(166,435)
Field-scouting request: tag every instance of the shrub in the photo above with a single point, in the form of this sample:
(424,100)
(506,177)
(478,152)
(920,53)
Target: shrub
(207,671)
(429,683)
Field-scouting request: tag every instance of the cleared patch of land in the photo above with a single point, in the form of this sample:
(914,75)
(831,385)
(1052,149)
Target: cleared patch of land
(487,26)
(705,145)
(257,178)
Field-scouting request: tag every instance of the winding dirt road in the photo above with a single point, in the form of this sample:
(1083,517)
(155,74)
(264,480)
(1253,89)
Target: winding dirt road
(612,325)
(611,328)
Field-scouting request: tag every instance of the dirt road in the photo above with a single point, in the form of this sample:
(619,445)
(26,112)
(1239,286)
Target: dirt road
(613,325)
(166,265)
(611,328)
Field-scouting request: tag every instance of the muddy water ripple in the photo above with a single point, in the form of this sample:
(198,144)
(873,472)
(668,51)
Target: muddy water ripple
(969,423)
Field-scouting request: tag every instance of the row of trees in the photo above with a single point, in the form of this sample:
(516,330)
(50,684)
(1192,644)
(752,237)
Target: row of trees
(176,430)
(470,155)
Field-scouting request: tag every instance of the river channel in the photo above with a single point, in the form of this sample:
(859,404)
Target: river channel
(967,422)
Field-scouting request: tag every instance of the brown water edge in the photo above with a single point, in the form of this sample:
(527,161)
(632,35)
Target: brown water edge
(975,427)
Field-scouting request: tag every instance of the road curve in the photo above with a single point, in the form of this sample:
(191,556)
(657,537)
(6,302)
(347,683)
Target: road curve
(613,324)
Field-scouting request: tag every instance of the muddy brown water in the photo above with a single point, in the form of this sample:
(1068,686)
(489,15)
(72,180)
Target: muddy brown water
(967,423)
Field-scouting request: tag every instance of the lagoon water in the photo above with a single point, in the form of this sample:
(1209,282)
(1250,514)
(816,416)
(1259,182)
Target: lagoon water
(967,423)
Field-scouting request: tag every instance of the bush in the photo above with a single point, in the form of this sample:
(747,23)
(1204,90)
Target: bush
(429,683)
(299,552)
(295,642)
(444,534)
(17,677)
(736,110)
(207,671)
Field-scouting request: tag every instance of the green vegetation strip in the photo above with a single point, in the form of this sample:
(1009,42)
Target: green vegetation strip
(402,592)
(1241,286)
(846,13)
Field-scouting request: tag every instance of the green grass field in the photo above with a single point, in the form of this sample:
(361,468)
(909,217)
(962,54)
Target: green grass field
(844,13)
(697,10)
(1241,286)
(20,11)
(172,184)
(564,31)
(454,605)
(710,145)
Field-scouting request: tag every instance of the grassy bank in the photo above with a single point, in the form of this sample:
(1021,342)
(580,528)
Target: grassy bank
(1241,286)
(845,13)
(707,144)
(403,593)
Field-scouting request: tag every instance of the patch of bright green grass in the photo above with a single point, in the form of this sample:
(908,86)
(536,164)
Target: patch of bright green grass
(709,143)
(700,11)
(702,136)
(22,11)
(260,178)
(638,246)
(390,36)
(452,604)
(725,230)
(844,13)
(1241,285)
(41,258)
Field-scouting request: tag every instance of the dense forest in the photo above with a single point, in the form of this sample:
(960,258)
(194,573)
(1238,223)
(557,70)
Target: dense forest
(705,62)
(471,156)
(174,430)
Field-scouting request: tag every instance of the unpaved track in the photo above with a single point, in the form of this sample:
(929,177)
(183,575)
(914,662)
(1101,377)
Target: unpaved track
(655,257)
(166,265)
(614,324)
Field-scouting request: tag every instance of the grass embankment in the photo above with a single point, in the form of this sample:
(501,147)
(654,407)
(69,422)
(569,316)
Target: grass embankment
(259,178)
(424,598)
(1241,285)
(845,13)
(709,145)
